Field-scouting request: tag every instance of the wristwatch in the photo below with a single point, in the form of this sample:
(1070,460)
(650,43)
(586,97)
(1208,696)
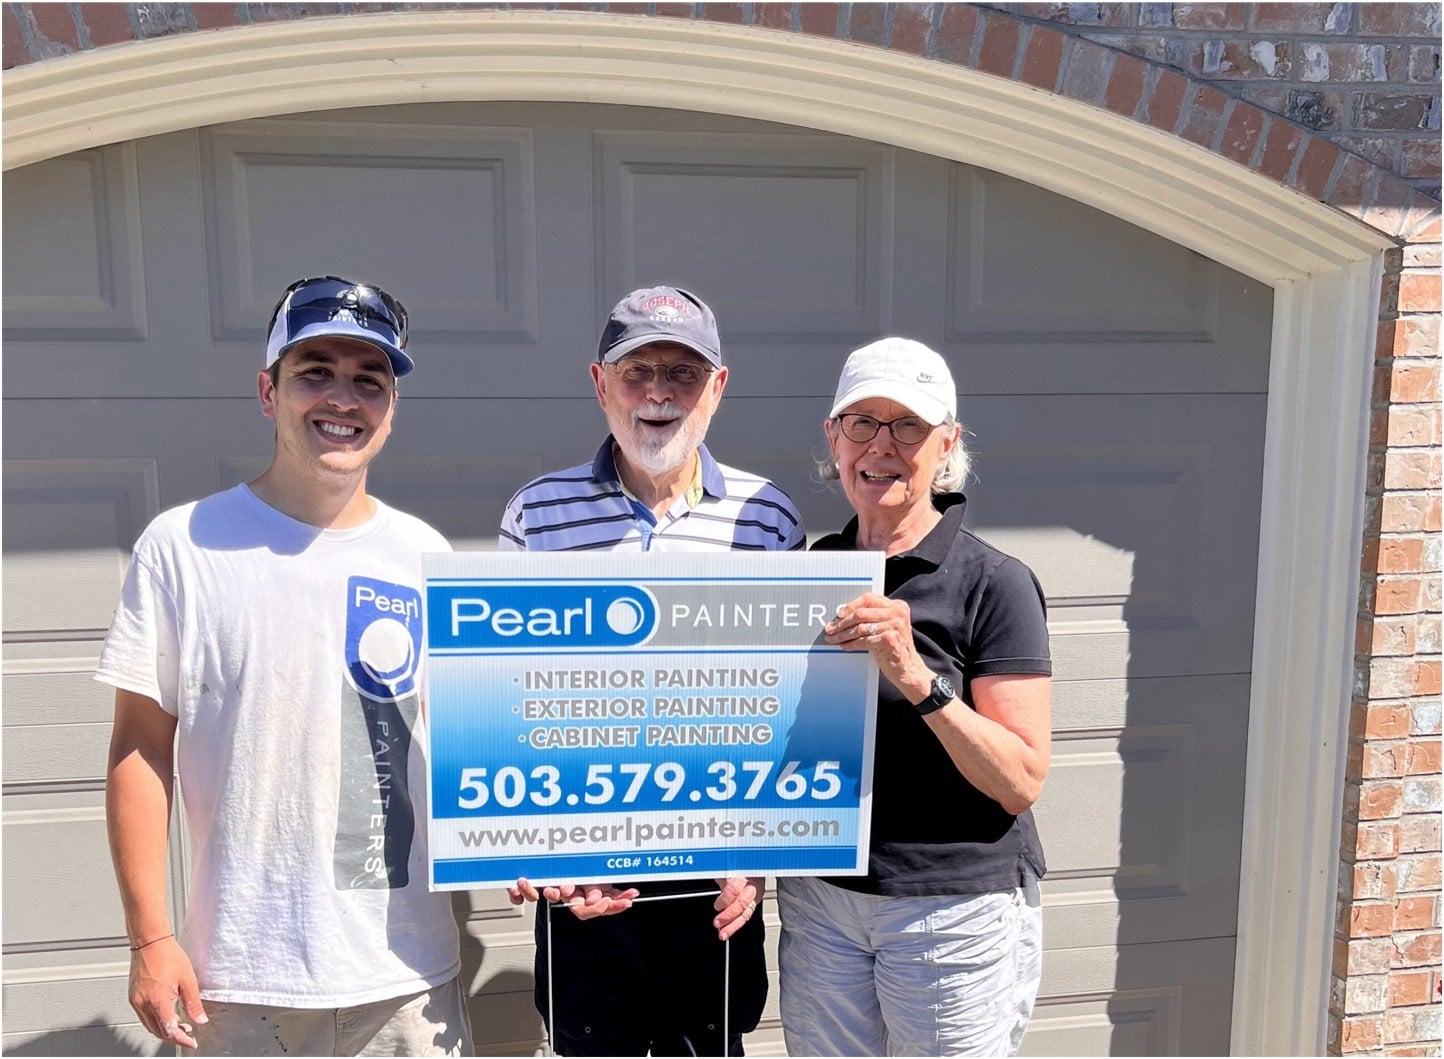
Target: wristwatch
(940,695)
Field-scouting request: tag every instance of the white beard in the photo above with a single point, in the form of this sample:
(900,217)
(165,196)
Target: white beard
(660,455)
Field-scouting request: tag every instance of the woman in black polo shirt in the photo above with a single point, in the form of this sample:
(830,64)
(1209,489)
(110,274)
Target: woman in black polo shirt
(937,950)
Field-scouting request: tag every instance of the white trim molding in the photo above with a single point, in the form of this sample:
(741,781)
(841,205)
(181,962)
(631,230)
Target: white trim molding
(1324,268)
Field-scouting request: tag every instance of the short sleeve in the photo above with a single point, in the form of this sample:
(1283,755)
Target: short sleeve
(511,535)
(142,649)
(1010,628)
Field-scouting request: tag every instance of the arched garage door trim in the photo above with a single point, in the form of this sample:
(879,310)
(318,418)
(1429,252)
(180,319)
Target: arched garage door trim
(1324,267)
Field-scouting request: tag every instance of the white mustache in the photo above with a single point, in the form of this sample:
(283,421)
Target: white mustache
(664,411)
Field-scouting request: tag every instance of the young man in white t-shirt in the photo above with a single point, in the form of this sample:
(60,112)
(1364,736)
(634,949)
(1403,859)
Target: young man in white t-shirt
(276,629)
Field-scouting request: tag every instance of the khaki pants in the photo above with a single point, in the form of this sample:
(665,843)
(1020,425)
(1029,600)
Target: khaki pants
(432,1022)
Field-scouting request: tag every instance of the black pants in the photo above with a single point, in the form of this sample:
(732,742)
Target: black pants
(649,980)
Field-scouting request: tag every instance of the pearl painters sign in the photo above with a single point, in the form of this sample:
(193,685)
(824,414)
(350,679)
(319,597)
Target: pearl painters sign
(627,717)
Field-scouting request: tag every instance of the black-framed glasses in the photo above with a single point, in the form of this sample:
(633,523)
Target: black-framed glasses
(684,376)
(905,430)
(332,294)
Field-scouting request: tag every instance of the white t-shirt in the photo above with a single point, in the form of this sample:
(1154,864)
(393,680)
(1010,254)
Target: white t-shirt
(291,658)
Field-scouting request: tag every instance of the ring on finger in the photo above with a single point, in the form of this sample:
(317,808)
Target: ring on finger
(872,628)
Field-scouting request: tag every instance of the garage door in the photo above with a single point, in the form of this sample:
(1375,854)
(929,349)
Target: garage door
(1112,383)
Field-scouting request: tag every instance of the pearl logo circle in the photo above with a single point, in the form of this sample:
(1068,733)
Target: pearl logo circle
(624,616)
(386,650)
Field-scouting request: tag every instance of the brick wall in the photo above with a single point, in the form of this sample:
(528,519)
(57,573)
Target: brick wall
(1386,972)
(1363,76)
(1338,101)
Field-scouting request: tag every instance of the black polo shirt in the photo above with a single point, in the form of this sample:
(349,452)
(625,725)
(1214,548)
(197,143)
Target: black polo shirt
(975,612)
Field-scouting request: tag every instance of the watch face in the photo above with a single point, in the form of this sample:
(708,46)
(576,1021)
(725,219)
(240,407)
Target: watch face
(943,688)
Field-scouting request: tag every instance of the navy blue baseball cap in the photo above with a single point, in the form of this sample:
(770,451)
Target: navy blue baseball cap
(332,307)
(660,314)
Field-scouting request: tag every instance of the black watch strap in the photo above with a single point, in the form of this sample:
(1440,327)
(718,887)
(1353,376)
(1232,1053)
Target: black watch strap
(941,693)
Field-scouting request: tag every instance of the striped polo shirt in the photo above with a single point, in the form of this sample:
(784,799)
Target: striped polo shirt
(585,508)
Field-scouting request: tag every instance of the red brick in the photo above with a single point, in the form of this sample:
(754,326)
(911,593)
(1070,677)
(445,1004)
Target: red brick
(1422,758)
(1165,99)
(1419,874)
(55,25)
(1380,801)
(1411,470)
(1241,135)
(1414,382)
(1381,761)
(956,32)
(685,11)
(1413,426)
(1408,988)
(1421,950)
(1243,61)
(1376,841)
(1350,63)
(1292,18)
(772,16)
(1419,292)
(1044,57)
(818,20)
(1398,20)
(911,24)
(1374,880)
(1360,1033)
(1403,555)
(215,16)
(1000,45)
(1205,112)
(1387,722)
(107,23)
(1416,336)
(729,13)
(1427,678)
(1406,512)
(1315,167)
(1397,637)
(1209,16)
(1281,143)
(13,52)
(1413,913)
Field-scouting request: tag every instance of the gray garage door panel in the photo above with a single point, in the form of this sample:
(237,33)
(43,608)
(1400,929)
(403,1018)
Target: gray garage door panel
(1133,815)
(1162,999)
(1113,384)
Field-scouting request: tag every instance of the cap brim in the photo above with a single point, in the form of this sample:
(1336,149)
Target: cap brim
(923,405)
(401,363)
(636,342)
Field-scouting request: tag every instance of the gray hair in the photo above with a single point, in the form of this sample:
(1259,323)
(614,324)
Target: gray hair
(951,475)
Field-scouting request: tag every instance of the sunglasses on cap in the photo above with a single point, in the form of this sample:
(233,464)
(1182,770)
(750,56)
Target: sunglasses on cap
(330,306)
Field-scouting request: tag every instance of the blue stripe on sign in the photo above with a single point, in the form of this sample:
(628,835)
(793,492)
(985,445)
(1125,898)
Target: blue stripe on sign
(595,866)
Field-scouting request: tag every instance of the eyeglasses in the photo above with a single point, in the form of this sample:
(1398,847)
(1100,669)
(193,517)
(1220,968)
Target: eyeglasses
(684,376)
(331,295)
(905,430)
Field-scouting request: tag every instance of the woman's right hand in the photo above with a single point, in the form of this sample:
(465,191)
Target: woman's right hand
(586,900)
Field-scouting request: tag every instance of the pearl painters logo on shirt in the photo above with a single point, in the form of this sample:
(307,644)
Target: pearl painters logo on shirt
(383,637)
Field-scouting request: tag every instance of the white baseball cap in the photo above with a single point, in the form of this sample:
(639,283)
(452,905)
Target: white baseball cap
(900,370)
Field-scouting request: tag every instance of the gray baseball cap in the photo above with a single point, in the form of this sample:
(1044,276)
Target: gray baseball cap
(660,314)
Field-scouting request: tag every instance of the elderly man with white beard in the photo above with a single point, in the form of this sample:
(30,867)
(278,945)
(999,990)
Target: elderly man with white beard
(652,980)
